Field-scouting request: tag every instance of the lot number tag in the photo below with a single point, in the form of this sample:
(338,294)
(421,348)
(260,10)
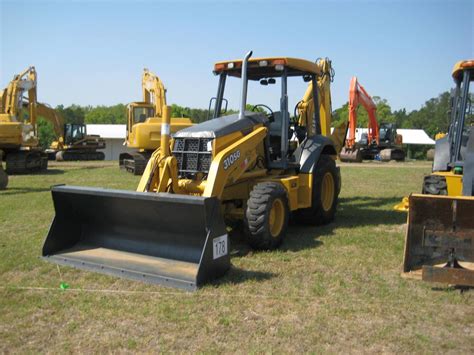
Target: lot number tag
(219,246)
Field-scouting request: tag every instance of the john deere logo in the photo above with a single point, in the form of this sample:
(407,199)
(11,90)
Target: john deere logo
(231,159)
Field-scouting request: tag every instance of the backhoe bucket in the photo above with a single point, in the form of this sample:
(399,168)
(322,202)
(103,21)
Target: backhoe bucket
(350,155)
(439,245)
(163,238)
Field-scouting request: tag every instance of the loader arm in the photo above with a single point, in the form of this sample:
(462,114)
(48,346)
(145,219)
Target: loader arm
(229,164)
(153,91)
(226,168)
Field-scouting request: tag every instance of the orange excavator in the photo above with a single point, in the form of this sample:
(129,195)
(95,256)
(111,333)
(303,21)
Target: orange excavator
(379,141)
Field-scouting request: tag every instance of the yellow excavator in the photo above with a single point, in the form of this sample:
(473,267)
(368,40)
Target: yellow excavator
(73,142)
(144,124)
(439,245)
(19,142)
(251,170)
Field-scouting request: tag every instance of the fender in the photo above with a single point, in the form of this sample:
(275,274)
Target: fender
(308,153)
(468,174)
(441,157)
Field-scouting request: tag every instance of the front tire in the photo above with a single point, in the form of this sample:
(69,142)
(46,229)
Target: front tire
(266,217)
(434,185)
(325,194)
(3,178)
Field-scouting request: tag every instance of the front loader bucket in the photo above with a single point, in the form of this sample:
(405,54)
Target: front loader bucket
(439,244)
(168,239)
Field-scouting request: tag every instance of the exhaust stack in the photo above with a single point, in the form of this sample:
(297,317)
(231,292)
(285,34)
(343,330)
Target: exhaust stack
(243,99)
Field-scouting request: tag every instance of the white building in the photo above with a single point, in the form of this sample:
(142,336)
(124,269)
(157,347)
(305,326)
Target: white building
(114,135)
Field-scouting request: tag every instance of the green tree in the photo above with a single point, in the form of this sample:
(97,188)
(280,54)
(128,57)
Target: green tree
(46,133)
(73,113)
(106,115)
(384,113)
(433,117)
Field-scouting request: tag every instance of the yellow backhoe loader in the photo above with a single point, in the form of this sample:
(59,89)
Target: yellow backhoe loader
(144,124)
(251,169)
(439,245)
(19,142)
(73,142)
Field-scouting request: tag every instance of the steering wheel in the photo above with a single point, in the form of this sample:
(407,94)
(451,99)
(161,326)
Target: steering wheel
(296,115)
(269,115)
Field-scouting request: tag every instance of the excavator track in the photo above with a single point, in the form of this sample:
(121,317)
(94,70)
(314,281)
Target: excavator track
(396,154)
(134,162)
(26,162)
(74,155)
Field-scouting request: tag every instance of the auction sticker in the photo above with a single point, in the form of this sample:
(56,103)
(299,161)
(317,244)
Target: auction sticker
(219,246)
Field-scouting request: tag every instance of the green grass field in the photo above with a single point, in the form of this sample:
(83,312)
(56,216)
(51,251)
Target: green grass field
(335,288)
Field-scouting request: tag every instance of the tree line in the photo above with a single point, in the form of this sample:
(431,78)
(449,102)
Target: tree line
(432,116)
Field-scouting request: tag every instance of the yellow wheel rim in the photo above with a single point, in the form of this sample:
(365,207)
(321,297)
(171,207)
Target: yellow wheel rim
(327,191)
(277,215)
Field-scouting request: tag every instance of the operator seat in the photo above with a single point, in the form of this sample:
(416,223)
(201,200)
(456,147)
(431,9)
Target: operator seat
(142,118)
(275,135)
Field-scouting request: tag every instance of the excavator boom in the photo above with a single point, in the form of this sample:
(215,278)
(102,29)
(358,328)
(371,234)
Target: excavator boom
(144,124)
(19,141)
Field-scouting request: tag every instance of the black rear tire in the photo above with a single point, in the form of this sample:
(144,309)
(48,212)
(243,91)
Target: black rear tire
(434,185)
(3,178)
(317,214)
(261,233)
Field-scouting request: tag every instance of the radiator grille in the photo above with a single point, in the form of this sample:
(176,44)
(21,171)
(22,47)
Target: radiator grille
(192,155)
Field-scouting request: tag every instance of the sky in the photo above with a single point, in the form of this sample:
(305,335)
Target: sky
(93,52)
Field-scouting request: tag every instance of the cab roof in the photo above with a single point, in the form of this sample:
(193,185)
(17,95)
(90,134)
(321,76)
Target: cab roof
(259,68)
(460,66)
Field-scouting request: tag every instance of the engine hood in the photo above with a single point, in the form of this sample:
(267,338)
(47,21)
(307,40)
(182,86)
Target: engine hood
(222,126)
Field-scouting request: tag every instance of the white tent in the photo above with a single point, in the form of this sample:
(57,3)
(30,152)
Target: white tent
(409,136)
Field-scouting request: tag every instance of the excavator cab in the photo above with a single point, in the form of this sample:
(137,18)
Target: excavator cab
(140,115)
(139,112)
(74,132)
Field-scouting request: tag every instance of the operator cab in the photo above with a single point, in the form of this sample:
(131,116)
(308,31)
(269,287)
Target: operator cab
(286,132)
(74,132)
(139,112)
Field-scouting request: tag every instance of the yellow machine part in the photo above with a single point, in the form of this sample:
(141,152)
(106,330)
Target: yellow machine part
(10,132)
(147,135)
(453,182)
(173,229)
(439,244)
(16,134)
